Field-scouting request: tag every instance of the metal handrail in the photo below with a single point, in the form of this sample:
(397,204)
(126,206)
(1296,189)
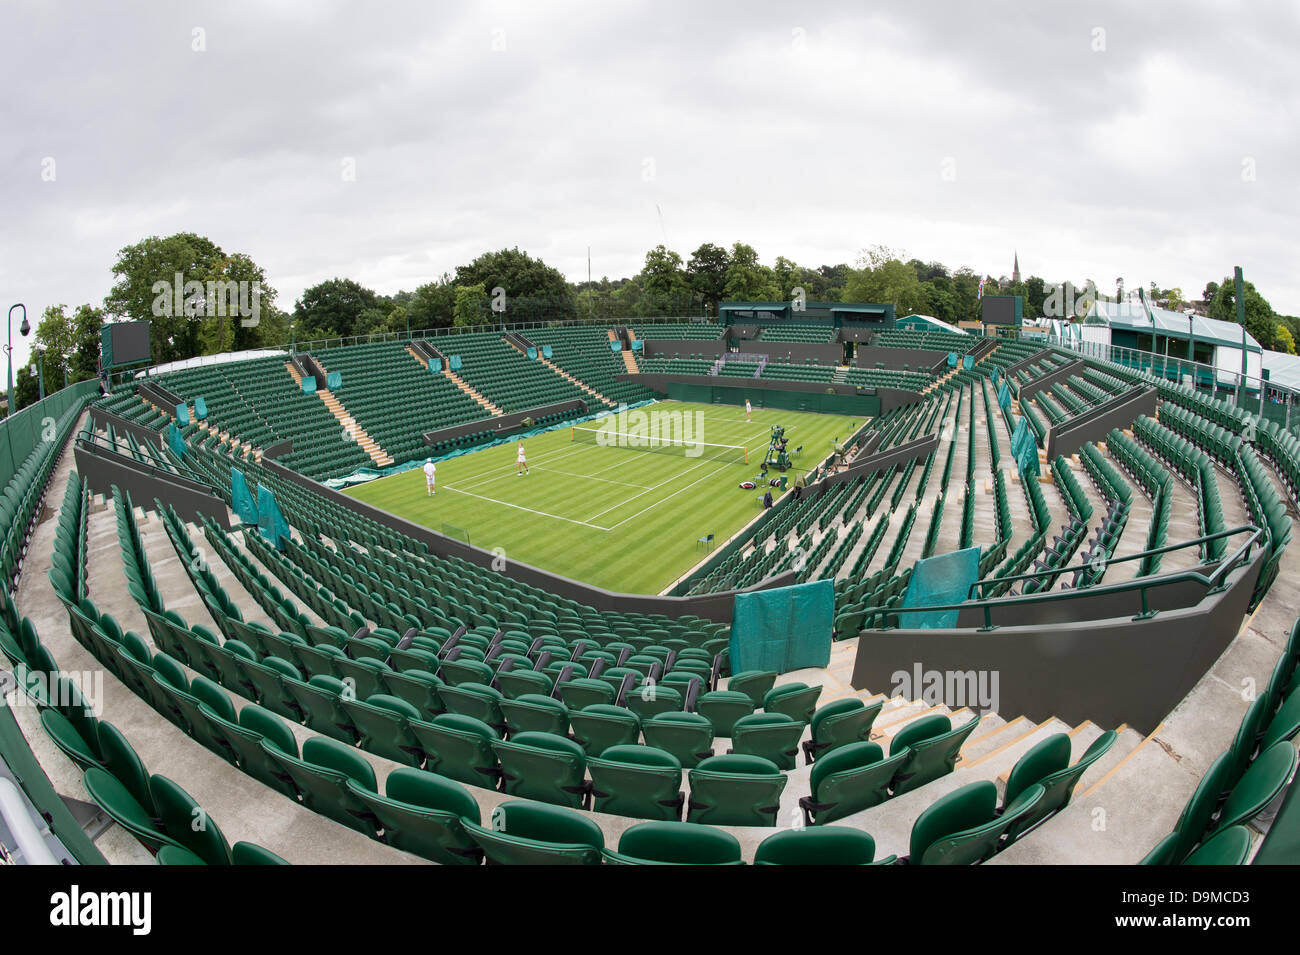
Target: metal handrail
(1167,548)
(1141,584)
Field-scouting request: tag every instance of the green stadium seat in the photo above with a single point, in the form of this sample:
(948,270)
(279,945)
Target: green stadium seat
(639,781)
(530,833)
(824,845)
(423,813)
(735,790)
(674,843)
(543,766)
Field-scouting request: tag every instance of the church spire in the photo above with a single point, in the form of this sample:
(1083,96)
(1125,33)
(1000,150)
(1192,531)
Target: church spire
(1015,268)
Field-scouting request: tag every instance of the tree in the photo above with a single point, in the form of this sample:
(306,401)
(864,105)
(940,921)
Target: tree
(433,305)
(662,274)
(333,309)
(747,280)
(26,388)
(191,292)
(83,364)
(706,273)
(534,290)
(1283,341)
(787,277)
(1261,321)
(53,345)
(472,305)
(882,277)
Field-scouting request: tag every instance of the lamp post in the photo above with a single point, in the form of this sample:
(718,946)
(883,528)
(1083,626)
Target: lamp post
(23,329)
(292,326)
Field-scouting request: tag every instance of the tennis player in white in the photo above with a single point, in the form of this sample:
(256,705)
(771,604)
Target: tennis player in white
(521,462)
(430,469)
(748,409)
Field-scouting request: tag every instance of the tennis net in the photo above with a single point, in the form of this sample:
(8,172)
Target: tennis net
(634,441)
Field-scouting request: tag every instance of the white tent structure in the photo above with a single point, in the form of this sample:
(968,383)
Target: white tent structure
(1162,332)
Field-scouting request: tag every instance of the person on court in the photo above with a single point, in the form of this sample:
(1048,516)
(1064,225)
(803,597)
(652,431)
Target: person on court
(748,409)
(430,469)
(521,462)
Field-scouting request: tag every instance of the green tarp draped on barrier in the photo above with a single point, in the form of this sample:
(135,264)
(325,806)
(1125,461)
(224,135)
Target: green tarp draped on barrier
(333,380)
(454,363)
(546,351)
(200,408)
(176,442)
(182,414)
(943,579)
(309,384)
(242,498)
(275,529)
(532,353)
(638,345)
(967,362)
(952,359)
(1024,448)
(616,345)
(435,365)
(1004,396)
(783,629)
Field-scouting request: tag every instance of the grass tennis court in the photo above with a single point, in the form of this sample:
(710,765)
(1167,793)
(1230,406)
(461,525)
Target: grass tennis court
(623,518)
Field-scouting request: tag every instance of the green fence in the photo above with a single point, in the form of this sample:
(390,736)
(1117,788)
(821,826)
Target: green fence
(23,431)
(812,401)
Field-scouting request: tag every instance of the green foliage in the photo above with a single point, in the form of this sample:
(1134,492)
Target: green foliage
(706,273)
(1284,341)
(747,280)
(148,275)
(883,277)
(472,305)
(534,291)
(1261,321)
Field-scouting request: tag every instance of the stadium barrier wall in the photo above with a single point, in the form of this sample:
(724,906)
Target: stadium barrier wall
(502,424)
(102,417)
(1026,362)
(768,392)
(1109,670)
(1094,424)
(25,429)
(163,397)
(874,462)
(717,607)
(101,469)
(1032,388)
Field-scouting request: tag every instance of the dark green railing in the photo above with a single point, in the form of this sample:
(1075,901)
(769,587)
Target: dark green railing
(987,605)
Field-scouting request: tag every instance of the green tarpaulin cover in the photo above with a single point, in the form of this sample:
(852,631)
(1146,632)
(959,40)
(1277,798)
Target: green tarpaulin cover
(783,629)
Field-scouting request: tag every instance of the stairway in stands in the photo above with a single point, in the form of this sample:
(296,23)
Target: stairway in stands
(629,358)
(841,375)
(562,373)
(349,423)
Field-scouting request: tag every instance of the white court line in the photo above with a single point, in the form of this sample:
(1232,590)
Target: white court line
(589,477)
(651,507)
(520,507)
(655,488)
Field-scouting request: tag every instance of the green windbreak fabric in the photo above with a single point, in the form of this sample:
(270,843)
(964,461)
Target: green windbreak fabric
(274,527)
(242,497)
(939,580)
(783,629)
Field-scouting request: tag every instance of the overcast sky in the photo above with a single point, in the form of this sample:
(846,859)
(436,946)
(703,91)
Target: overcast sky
(1154,141)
